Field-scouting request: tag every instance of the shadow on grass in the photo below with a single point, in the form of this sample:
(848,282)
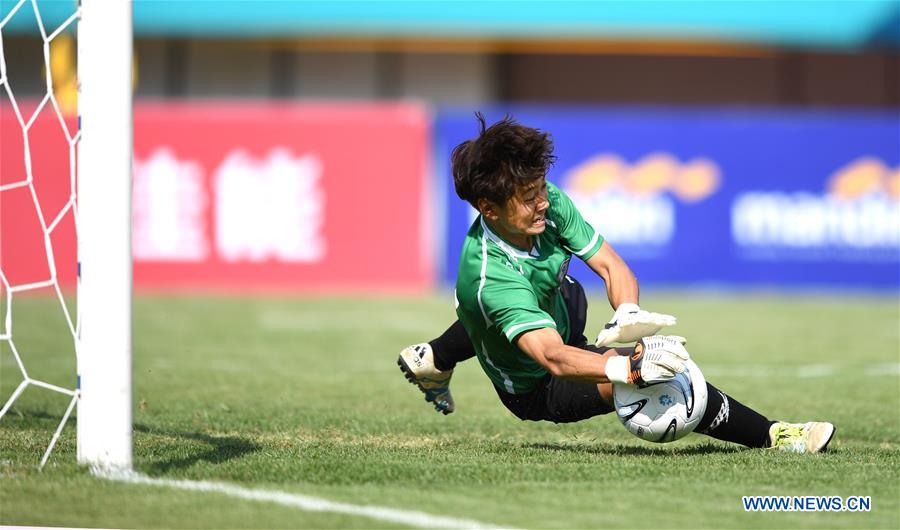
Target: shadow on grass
(29,417)
(222,449)
(635,450)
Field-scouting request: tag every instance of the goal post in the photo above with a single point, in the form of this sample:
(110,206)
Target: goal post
(103,344)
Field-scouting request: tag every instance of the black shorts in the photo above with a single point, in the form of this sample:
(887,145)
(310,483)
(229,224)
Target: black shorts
(561,400)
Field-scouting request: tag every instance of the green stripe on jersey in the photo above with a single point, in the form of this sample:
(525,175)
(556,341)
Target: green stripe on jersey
(503,291)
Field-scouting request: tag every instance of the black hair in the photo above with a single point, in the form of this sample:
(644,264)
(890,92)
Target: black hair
(502,158)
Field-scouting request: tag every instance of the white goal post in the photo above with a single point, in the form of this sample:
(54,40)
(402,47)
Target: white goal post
(103,344)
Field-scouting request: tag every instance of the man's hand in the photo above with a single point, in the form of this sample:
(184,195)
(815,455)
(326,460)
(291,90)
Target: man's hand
(656,358)
(631,323)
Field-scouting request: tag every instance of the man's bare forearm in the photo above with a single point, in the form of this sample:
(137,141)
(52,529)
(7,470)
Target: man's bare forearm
(621,284)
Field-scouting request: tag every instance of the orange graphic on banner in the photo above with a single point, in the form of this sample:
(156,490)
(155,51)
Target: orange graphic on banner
(864,176)
(656,173)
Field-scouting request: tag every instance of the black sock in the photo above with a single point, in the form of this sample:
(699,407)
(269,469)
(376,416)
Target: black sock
(728,419)
(452,347)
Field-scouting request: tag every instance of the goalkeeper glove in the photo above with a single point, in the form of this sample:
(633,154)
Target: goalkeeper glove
(657,358)
(630,323)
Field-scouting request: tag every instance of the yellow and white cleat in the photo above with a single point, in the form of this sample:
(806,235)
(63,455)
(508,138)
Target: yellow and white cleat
(417,364)
(810,437)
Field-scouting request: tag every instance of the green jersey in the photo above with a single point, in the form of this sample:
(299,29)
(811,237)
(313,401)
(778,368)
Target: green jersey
(503,291)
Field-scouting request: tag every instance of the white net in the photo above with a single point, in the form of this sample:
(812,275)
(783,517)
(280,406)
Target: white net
(51,217)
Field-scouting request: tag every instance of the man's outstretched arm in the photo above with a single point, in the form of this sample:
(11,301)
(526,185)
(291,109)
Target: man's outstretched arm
(630,322)
(547,348)
(654,359)
(621,284)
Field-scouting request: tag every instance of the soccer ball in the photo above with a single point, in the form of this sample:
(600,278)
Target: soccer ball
(666,411)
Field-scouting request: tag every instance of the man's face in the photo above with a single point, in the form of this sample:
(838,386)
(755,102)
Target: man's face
(523,213)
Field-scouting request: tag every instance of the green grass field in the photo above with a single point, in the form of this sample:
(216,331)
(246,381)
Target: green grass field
(304,396)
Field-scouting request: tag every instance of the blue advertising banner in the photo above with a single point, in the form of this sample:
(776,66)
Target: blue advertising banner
(718,196)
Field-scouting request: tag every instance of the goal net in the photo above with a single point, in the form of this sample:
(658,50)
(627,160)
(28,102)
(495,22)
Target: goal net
(96,209)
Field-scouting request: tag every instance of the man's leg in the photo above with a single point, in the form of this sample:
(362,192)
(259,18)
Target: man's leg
(730,420)
(725,418)
(453,346)
(430,365)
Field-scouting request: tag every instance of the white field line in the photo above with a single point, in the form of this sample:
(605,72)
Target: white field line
(303,502)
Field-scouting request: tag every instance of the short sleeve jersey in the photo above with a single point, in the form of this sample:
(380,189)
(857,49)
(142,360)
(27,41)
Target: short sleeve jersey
(503,291)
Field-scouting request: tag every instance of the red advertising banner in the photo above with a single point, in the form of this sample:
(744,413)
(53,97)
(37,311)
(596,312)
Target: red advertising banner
(240,196)
(36,189)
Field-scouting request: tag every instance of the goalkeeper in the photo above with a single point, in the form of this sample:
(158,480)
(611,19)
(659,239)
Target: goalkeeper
(524,317)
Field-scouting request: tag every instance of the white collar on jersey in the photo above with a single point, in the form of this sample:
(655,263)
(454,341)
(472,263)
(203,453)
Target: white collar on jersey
(506,247)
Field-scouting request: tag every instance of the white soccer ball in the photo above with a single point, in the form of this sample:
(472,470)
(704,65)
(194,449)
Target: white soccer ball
(666,411)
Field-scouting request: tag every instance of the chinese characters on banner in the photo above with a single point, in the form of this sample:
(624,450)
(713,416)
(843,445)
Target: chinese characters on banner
(248,196)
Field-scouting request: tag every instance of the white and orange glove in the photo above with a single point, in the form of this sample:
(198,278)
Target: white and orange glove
(631,323)
(657,358)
